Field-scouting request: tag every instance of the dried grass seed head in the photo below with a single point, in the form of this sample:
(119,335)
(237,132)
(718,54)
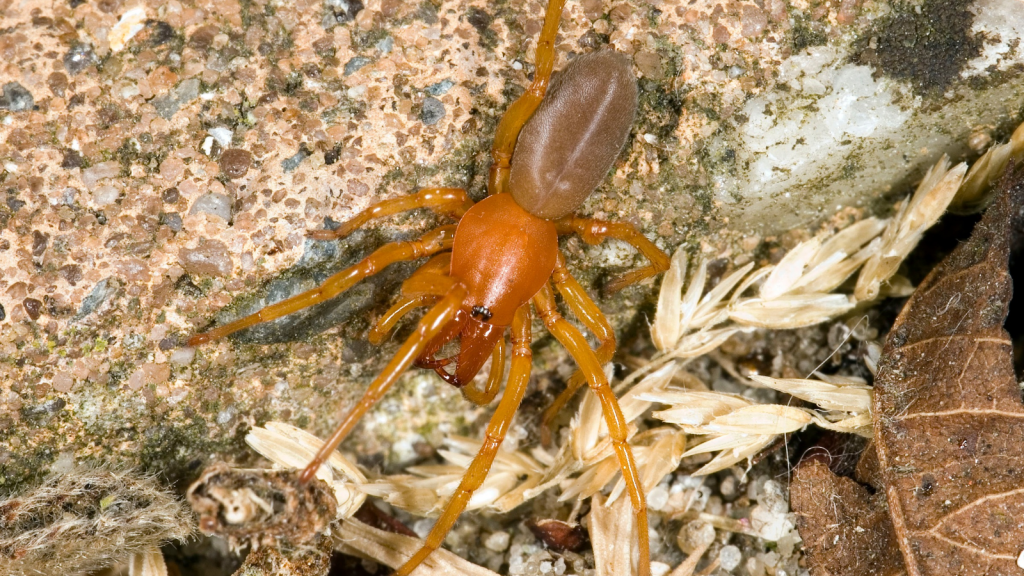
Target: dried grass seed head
(85,519)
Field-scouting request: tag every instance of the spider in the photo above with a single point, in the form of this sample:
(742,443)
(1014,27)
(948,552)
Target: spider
(484,273)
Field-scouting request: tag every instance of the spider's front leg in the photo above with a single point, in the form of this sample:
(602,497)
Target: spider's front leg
(519,378)
(452,201)
(430,243)
(523,108)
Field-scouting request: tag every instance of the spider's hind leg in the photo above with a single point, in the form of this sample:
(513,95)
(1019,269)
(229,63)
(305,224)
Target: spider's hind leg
(618,429)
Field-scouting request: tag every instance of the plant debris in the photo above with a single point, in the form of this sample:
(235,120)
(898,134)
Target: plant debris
(85,519)
(261,508)
(948,419)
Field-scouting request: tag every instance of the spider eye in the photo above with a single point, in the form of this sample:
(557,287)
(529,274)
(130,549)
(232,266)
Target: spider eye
(481,312)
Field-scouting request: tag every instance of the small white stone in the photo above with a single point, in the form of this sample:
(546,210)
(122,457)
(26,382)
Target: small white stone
(222,135)
(497,541)
(774,497)
(131,23)
(657,498)
(105,195)
(207,146)
(729,557)
(659,568)
(1020,560)
(183,356)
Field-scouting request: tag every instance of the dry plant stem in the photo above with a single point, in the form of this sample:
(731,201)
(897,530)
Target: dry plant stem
(358,539)
(442,200)
(429,326)
(573,341)
(519,379)
(523,108)
(150,563)
(710,568)
(430,243)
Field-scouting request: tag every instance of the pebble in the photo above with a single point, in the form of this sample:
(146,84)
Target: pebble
(235,162)
(33,307)
(385,45)
(660,569)
(222,135)
(657,498)
(694,535)
(768,524)
(172,220)
(344,10)
(497,541)
(105,195)
(728,488)
(62,382)
(729,557)
(71,273)
(93,174)
(167,104)
(210,258)
(441,88)
(16,98)
(212,203)
(182,356)
(103,290)
(79,58)
(291,163)
(774,497)
(355,64)
(433,111)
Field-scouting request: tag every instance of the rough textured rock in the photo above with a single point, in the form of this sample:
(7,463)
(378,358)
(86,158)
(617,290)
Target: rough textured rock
(150,273)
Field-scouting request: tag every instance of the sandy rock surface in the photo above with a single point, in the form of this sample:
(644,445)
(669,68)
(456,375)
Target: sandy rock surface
(162,162)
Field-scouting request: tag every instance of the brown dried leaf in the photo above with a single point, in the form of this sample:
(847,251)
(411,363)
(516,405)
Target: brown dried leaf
(947,455)
(845,529)
(948,415)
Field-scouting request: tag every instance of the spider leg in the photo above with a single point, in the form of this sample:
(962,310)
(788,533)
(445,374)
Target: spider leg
(430,243)
(595,231)
(587,360)
(445,200)
(497,372)
(579,302)
(519,378)
(395,313)
(431,324)
(520,111)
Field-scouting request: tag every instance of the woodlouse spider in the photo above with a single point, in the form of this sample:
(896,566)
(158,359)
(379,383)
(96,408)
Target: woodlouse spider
(484,272)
